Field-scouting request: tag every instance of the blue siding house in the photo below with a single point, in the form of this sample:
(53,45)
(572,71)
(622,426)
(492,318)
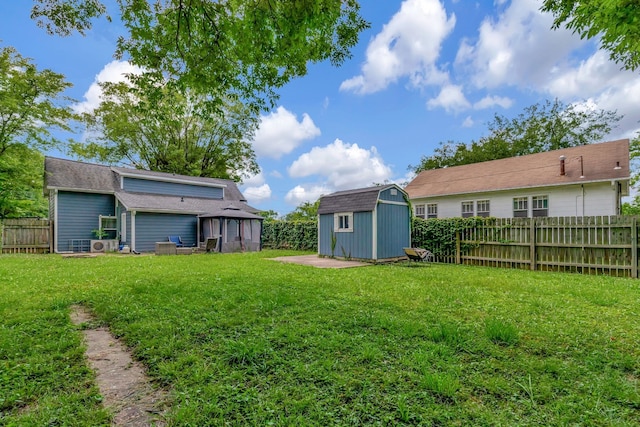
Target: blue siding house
(138,208)
(371,223)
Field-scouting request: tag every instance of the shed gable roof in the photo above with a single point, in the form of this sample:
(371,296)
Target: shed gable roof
(358,200)
(586,163)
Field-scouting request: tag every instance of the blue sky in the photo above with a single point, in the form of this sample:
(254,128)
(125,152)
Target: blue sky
(426,71)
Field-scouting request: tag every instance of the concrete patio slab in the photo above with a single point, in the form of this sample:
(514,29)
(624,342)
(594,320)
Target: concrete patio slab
(316,261)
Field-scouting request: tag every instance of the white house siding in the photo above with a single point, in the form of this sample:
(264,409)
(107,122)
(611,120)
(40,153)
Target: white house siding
(599,199)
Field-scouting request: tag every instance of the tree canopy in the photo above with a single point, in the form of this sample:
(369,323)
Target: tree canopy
(540,127)
(243,49)
(307,211)
(31,103)
(21,172)
(31,107)
(616,22)
(155,125)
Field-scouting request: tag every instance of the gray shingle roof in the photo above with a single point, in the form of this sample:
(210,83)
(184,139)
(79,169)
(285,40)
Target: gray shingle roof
(73,175)
(358,200)
(80,176)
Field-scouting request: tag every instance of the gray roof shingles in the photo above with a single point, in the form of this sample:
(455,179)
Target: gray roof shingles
(358,200)
(80,176)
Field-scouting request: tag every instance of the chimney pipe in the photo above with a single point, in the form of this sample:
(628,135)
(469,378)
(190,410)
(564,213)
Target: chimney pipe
(562,173)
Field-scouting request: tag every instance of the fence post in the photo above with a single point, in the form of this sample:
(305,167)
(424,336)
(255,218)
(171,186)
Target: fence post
(532,242)
(634,248)
(457,247)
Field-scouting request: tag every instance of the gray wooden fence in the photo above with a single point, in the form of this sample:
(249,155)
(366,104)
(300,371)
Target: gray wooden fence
(27,235)
(590,245)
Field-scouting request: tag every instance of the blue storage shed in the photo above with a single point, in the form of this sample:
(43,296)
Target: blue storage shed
(371,223)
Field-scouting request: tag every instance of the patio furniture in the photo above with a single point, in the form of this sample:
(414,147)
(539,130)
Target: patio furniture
(177,240)
(418,254)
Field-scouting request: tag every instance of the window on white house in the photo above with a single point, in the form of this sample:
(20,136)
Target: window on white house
(483,208)
(432,210)
(467,209)
(420,211)
(539,206)
(343,222)
(520,207)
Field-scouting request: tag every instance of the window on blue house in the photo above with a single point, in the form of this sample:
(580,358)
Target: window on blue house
(109,225)
(343,222)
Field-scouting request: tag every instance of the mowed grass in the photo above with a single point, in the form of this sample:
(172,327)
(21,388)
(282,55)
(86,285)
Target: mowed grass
(239,339)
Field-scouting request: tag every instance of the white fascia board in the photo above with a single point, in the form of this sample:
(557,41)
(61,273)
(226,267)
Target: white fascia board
(166,211)
(81,190)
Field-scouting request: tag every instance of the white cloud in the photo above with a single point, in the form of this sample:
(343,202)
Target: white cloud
(114,71)
(258,194)
(450,98)
(280,133)
(490,101)
(519,48)
(254,180)
(468,122)
(591,77)
(343,165)
(623,100)
(598,83)
(408,46)
(305,193)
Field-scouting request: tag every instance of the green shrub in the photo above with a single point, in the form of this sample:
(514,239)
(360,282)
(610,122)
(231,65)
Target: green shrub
(439,234)
(297,235)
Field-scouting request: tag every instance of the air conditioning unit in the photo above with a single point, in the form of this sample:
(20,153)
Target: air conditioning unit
(104,245)
(98,246)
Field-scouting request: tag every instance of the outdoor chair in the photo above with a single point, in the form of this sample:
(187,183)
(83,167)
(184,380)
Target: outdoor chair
(418,254)
(177,240)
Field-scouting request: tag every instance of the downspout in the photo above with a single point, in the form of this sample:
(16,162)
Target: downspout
(55,221)
(133,231)
(223,236)
(374,223)
(198,232)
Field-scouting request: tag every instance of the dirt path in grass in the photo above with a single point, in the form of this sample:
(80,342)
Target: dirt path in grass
(125,388)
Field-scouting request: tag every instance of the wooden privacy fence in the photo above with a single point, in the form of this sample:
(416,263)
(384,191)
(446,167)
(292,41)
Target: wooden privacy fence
(26,235)
(590,245)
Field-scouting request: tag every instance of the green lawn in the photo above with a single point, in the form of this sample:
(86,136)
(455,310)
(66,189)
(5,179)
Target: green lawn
(243,340)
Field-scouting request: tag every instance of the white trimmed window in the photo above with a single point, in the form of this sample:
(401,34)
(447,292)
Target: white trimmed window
(483,208)
(520,207)
(467,209)
(539,206)
(432,210)
(420,211)
(109,225)
(343,222)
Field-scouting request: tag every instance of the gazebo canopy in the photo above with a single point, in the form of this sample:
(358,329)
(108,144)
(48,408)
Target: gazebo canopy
(231,211)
